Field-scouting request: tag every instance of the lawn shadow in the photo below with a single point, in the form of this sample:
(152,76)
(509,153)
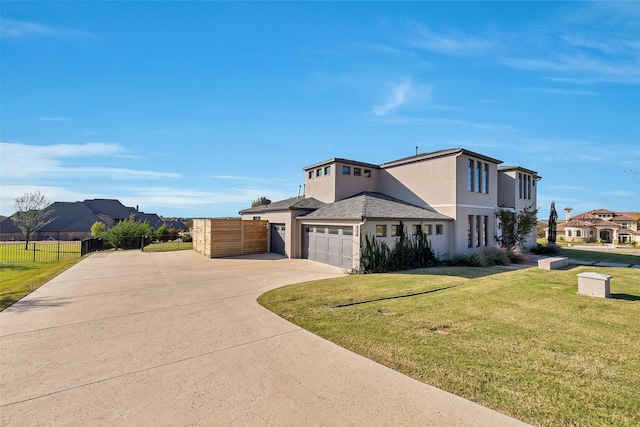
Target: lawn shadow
(625,297)
(455,271)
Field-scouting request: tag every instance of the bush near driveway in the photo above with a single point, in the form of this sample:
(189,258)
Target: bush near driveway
(521,342)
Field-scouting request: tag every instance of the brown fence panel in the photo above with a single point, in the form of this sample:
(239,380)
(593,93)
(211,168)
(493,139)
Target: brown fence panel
(216,238)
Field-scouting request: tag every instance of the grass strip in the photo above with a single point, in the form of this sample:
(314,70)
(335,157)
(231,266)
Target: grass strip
(20,279)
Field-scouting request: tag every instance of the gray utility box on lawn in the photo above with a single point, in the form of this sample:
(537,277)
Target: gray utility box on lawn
(594,284)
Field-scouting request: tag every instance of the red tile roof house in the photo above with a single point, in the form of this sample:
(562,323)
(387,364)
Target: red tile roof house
(600,225)
(451,194)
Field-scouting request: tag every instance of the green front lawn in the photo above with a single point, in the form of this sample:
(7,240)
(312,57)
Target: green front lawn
(20,279)
(521,342)
(601,256)
(168,246)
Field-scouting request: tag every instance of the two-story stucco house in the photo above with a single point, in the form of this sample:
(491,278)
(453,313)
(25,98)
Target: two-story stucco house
(450,194)
(600,225)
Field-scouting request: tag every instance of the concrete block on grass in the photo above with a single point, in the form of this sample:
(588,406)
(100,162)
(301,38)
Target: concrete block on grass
(594,284)
(553,263)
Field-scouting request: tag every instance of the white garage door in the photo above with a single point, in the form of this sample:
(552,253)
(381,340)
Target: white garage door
(330,245)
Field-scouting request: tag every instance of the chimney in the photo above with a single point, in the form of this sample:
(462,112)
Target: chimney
(568,211)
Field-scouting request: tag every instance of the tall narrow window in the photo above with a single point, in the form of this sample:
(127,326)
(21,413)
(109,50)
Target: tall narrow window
(470,231)
(529,187)
(470,175)
(485,178)
(478,177)
(519,185)
(484,231)
(478,230)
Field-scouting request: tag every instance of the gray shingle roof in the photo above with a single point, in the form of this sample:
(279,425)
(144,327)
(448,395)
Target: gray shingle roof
(109,207)
(294,203)
(372,205)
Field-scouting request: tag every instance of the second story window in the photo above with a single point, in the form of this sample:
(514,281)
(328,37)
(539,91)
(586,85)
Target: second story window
(346,170)
(310,174)
(327,170)
(470,184)
(439,229)
(318,173)
(357,172)
(367,173)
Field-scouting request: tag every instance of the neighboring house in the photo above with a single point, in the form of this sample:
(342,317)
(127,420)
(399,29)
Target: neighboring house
(451,195)
(600,225)
(73,220)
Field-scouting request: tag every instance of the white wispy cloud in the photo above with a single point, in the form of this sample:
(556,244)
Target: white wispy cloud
(53,119)
(571,92)
(14,29)
(581,68)
(192,199)
(23,161)
(398,96)
(450,44)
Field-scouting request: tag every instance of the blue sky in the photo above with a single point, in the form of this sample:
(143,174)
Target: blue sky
(195,108)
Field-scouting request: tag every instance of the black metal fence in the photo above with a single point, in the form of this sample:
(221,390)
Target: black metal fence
(47,251)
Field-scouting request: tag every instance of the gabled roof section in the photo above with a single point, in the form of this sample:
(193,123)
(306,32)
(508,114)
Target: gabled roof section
(70,216)
(370,205)
(153,219)
(294,203)
(602,212)
(109,207)
(340,160)
(437,154)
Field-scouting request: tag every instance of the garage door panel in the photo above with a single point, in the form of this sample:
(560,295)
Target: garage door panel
(330,245)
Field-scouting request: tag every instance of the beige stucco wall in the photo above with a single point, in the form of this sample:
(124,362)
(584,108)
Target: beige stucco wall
(338,186)
(323,187)
(426,183)
(507,189)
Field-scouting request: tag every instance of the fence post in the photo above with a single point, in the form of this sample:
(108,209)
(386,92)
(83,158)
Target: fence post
(34,252)
(142,243)
(58,249)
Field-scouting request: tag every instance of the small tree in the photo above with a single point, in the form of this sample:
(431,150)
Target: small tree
(31,214)
(260,201)
(553,224)
(98,229)
(163,233)
(516,226)
(128,233)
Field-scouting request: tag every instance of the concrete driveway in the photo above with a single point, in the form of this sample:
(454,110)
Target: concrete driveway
(131,338)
